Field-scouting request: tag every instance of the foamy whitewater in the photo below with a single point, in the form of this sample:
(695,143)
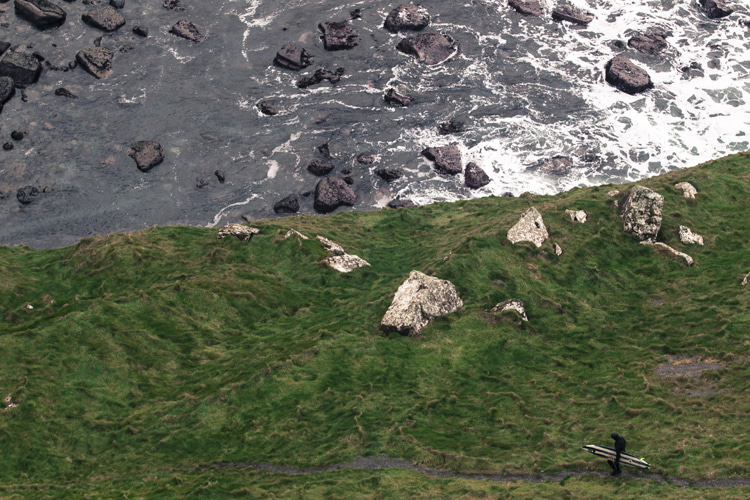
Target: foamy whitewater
(528,89)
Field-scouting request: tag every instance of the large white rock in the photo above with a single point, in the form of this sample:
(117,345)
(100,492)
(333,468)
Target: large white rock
(687,237)
(577,215)
(418,301)
(339,259)
(530,227)
(641,212)
(687,189)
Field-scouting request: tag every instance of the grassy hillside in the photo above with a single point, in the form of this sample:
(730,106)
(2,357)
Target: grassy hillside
(131,358)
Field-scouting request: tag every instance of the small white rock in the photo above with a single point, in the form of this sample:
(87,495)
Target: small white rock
(558,250)
(577,215)
(687,237)
(687,189)
(530,227)
(293,232)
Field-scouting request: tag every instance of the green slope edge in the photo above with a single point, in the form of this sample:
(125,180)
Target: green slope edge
(166,348)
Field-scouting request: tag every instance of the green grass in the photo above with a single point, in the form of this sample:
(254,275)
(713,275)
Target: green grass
(166,348)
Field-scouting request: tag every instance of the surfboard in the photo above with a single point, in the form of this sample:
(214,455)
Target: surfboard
(610,453)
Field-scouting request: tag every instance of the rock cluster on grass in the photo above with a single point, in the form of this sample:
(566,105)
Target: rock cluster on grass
(530,227)
(242,233)
(641,212)
(418,301)
(577,215)
(687,189)
(687,237)
(339,260)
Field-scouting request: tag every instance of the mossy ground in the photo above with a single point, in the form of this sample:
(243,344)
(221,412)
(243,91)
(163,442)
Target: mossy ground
(165,348)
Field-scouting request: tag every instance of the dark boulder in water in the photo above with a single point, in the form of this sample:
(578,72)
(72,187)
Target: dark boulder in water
(475,177)
(527,7)
(3,47)
(567,12)
(96,60)
(189,30)
(267,108)
(140,31)
(319,76)
(105,18)
(428,48)
(451,127)
(447,159)
(715,9)
(63,92)
(288,205)
(41,13)
(626,76)
(331,193)
(393,96)
(388,174)
(7,89)
(338,36)
(407,17)
(23,67)
(147,154)
(649,44)
(557,165)
(366,159)
(320,167)
(27,194)
(399,203)
(292,56)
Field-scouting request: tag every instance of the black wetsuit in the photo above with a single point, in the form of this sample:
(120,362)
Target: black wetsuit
(619,448)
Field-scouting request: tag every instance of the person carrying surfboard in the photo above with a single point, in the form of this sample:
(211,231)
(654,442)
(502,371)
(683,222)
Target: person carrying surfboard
(619,448)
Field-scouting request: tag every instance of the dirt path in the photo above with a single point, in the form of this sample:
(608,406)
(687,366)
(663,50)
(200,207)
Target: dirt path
(383,461)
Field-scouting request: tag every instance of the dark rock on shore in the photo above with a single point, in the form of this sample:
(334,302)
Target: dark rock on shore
(319,76)
(174,5)
(398,203)
(292,56)
(8,146)
(147,154)
(475,177)
(626,76)
(7,89)
(392,96)
(117,4)
(267,108)
(320,167)
(572,14)
(428,48)
(649,44)
(16,135)
(338,36)
(63,92)
(388,174)
(105,18)
(447,159)
(527,7)
(715,9)
(366,159)
(23,67)
(41,13)
(325,150)
(557,165)
(96,60)
(288,205)
(3,47)
(331,193)
(189,30)
(140,31)
(407,17)
(221,176)
(27,194)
